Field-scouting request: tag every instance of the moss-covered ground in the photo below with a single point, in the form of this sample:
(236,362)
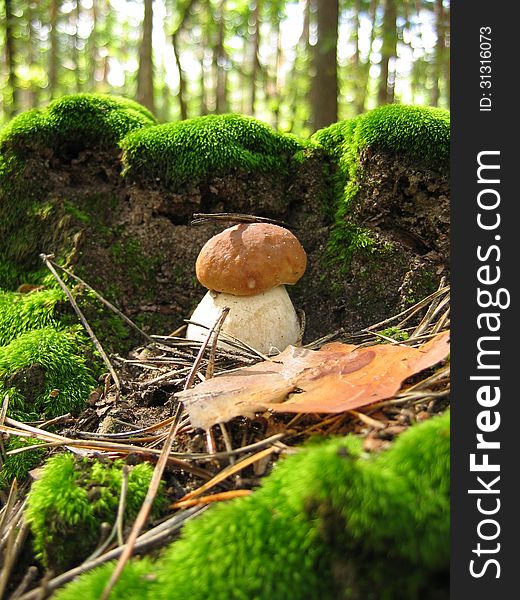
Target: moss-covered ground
(71,500)
(330,522)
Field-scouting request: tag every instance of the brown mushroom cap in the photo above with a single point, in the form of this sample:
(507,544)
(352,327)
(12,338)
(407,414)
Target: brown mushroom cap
(248,259)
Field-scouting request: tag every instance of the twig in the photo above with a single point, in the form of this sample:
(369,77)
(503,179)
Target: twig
(157,474)
(57,440)
(122,505)
(3,412)
(14,545)
(228,471)
(156,535)
(46,259)
(4,513)
(59,419)
(104,301)
(409,312)
(367,420)
(216,327)
(199,218)
(227,442)
(219,497)
(117,528)
(28,578)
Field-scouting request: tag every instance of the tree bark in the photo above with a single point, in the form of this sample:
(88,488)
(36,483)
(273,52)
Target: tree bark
(388,51)
(365,70)
(277,84)
(53,55)
(183,105)
(145,91)
(324,90)
(92,47)
(440,48)
(75,48)
(255,63)
(182,80)
(11,103)
(219,62)
(205,18)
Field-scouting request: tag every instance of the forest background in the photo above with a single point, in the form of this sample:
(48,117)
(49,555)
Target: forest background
(297,64)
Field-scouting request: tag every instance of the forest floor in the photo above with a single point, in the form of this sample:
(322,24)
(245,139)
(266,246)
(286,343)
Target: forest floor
(134,421)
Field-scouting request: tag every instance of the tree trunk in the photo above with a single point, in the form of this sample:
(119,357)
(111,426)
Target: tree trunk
(278,78)
(183,105)
(219,62)
(145,92)
(440,48)
(255,63)
(92,49)
(75,49)
(182,80)
(301,53)
(204,19)
(388,52)
(324,90)
(357,77)
(365,71)
(53,56)
(11,103)
(33,55)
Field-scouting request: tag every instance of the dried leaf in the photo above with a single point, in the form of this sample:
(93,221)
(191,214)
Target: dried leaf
(336,378)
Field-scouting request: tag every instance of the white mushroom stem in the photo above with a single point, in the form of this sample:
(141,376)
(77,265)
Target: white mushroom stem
(267,322)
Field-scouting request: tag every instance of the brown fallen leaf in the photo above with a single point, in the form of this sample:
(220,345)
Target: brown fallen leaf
(336,378)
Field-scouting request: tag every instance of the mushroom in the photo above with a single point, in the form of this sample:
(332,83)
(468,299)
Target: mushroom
(246,268)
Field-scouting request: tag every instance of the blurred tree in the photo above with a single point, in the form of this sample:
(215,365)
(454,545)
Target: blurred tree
(297,64)
(11,98)
(220,60)
(387,74)
(145,80)
(439,62)
(324,90)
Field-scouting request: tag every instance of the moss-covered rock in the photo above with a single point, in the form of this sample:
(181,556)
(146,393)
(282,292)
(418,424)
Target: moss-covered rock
(389,244)
(330,522)
(32,144)
(67,505)
(205,147)
(46,373)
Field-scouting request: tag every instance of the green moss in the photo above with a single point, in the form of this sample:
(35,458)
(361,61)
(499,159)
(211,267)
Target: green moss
(19,465)
(417,133)
(45,373)
(188,151)
(329,509)
(77,213)
(396,333)
(61,130)
(67,505)
(420,133)
(83,120)
(330,522)
(137,581)
(20,313)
